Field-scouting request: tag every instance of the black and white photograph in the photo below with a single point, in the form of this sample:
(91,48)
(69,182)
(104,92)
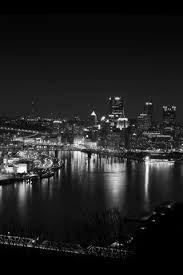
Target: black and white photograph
(91,138)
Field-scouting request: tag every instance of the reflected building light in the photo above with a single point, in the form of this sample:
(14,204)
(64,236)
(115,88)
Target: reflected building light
(45,187)
(78,163)
(59,175)
(22,194)
(161,165)
(147,159)
(164,170)
(181,171)
(92,162)
(50,188)
(1,194)
(147,185)
(116,183)
(44,181)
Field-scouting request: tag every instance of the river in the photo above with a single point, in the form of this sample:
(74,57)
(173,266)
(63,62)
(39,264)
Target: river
(83,187)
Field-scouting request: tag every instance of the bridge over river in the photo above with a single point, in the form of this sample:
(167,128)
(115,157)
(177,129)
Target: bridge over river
(60,248)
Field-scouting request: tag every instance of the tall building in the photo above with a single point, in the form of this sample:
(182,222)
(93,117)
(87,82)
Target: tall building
(116,109)
(116,106)
(122,123)
(148,109)
(93,119)
(33,112)
(169,114)
(143,121)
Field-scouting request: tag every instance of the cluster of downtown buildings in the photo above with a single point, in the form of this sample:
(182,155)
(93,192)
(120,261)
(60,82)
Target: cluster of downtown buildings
(113,130)
(117,131)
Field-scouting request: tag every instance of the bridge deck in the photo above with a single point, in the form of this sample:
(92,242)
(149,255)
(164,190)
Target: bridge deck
(17,241)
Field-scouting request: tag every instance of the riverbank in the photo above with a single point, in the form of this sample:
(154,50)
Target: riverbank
(140,155)
(31,176)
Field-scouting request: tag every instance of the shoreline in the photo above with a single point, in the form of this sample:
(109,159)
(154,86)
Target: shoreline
(37,177)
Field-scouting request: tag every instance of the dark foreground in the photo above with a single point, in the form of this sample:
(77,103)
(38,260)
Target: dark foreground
(158,244)
(19,259)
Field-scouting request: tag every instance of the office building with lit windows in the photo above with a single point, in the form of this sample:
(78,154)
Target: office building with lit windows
(116,106)
(93,119)
(169,115)
(116,109)
(148,109)
(143,121)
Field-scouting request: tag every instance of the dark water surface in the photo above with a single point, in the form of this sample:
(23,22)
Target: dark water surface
(84,187)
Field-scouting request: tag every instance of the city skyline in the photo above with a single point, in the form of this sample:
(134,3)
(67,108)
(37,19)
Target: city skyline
(34,110)
(71,68)
(91,137)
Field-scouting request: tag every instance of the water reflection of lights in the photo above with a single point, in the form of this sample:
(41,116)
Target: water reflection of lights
(116,182)
(59,173)
(92,163)
(47,187)
(78,161)
(23,190)
(1,195)
(44,181)
(181,170)
(50,187)
(161,164)
(147,184)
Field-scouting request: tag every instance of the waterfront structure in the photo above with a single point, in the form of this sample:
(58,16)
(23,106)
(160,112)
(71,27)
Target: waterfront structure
(21,168)
(169,114)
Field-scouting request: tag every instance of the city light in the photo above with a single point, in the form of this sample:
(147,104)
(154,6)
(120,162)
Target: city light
(91,138)
(147,158)
(147,184)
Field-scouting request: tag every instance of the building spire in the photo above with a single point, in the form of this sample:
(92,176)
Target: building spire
(93,114)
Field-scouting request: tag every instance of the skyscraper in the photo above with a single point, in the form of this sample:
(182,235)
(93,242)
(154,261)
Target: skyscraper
(33,113)
(148,109)
(169,115)
(116,109)
(93,119)
(143,121)
(122,123)
(116,106)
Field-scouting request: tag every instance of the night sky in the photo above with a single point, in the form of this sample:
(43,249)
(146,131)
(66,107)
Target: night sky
(70,63)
